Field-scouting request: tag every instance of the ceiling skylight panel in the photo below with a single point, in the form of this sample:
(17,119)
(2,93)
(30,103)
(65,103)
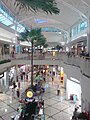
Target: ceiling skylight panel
(39,21)
(13,27)
(7,22)
(2,18)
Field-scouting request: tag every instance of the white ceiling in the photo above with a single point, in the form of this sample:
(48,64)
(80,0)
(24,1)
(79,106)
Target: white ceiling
(71,11)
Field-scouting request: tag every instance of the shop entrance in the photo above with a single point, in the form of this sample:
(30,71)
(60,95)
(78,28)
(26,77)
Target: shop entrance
(73,91)
(3,82)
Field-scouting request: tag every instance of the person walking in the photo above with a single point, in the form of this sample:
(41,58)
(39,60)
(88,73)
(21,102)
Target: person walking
(52,80)
(18,93)
(58,90)
(18,84)
(75,114)
(13,88)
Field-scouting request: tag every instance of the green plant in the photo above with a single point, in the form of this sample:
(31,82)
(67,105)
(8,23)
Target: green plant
(4,61)
(36,37)
(48,6)
(58,47)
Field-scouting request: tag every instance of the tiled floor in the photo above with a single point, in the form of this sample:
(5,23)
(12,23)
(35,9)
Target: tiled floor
(56,107)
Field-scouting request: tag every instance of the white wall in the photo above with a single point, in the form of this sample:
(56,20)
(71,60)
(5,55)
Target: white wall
(73,90)
(53,37)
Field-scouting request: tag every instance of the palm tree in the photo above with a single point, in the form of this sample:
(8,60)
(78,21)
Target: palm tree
(45,45)
(48,6)
(35,37)
(58,47)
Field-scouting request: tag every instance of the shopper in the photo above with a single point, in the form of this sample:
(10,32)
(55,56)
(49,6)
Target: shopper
(58,90)
(75,114)
(52,79)
(18,84)
(14,85)
(18,93)
(13,88)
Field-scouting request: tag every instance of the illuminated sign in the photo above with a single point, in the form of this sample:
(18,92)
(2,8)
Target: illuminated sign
(62,74)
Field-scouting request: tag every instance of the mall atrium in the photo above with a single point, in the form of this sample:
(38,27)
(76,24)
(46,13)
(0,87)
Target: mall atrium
(44,59)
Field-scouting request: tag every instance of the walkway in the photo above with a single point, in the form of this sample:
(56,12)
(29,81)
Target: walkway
(56,107)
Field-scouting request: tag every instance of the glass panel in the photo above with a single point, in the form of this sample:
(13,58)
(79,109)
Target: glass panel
(13,27)
(74,31)
(6,22)
(50,30)
(2,17)
(79,27)
(40,21)
(83,25)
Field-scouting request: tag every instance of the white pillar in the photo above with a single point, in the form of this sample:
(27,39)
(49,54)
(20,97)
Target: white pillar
(88,36)
(88,43)
(7,79)
(69,39)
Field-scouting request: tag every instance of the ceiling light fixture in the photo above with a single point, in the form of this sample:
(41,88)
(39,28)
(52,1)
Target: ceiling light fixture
(60,33)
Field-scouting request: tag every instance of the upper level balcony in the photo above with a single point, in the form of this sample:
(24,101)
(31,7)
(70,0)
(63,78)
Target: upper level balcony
(60,59)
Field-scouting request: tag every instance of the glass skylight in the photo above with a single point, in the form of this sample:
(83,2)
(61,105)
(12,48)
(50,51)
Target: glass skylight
(39,21)
(20,28)
(6,22)
(50,30)
(8,19)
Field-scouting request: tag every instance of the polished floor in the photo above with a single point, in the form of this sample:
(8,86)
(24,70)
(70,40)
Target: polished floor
(56,107)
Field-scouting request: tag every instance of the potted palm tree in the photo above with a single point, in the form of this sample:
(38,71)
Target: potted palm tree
(47,6)
(36,38)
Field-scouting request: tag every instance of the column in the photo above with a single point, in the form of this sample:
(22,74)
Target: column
(69,39)
(7,79)
(88,43)
(15,73)
(88,36)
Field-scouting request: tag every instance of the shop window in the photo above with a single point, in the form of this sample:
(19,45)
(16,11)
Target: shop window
(74,31)
(78,27)
(83,25)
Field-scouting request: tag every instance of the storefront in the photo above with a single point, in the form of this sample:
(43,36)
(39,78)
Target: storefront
(4,85)
(73,90)
(6,48)
(78,47)
(23,72)
(1,49)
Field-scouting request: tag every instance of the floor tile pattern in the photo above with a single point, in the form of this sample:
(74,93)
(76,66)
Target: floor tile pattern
(56,107)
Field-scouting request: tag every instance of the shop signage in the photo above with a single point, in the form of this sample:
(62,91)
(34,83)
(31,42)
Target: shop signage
(2,75)
(80,44)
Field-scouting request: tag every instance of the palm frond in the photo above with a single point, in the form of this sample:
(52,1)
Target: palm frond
(48,6)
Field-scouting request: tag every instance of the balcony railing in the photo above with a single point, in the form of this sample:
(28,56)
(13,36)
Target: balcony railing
(82,62)
(23,56)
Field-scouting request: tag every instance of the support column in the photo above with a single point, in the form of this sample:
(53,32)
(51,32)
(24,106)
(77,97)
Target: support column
(15,74)
(88,43)
(7,79)
(88,36)
(69,39)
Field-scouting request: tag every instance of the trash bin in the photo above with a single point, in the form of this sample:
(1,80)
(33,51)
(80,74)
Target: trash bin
(12,117)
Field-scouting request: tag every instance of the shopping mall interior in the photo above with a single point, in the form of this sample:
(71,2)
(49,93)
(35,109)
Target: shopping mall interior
(44,59)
